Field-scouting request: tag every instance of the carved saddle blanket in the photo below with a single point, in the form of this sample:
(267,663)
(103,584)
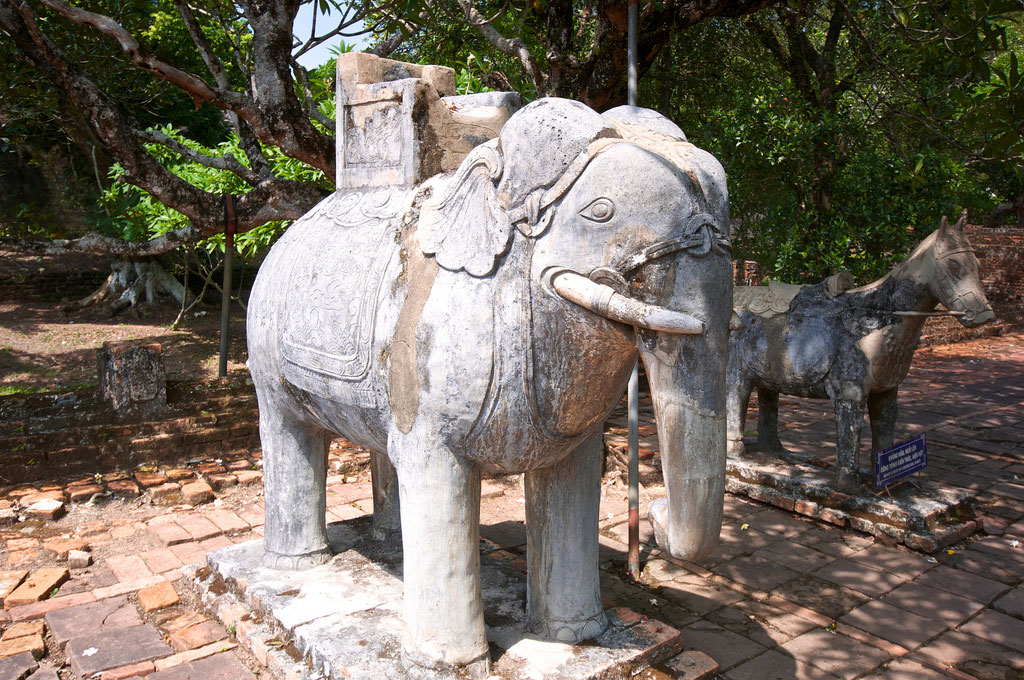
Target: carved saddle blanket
(776,297)
(330,309)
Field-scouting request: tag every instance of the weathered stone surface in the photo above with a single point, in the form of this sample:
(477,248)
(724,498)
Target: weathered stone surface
(105,616)
(9,580)
(18,666)
(157,596)
(462,254)
(195,493)
(46,509)
(96,652)
(197,635)
(853,346)
(132,378)
(23,629)
(692,665)
(31,643)
(36,587)
(216,667)
(78,559)
(44,672)
(358,629)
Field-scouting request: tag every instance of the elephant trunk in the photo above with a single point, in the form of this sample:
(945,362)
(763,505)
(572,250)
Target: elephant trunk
(686,374)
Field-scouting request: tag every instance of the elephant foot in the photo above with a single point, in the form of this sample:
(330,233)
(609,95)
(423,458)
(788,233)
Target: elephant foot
(735,447)
(573,632)
(428,669)
(657,513)
(275,560)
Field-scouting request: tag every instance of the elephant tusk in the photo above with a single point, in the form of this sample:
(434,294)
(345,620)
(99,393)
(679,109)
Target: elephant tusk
(603,300)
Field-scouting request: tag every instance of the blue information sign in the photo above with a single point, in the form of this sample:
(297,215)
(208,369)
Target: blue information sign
(901,460)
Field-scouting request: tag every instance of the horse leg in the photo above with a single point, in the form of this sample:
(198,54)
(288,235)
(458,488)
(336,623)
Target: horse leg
(768,421)
(882,412)
(737,401)
(849,417)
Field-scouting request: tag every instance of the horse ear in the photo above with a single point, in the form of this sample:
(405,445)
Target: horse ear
(464,226)
(962,222)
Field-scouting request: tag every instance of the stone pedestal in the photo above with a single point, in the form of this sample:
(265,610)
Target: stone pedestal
(343,620)
(925,516)
(132,378)
(400,123)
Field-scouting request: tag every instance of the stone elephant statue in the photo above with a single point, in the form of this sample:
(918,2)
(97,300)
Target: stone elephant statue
(486,321)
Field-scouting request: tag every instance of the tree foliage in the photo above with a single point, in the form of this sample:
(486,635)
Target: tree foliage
(847,127)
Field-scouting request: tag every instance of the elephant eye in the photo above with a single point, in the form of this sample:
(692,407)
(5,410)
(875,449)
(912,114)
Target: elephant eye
(598,210)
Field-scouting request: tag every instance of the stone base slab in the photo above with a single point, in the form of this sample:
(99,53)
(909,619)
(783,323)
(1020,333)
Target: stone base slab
(922,514)
(343,620)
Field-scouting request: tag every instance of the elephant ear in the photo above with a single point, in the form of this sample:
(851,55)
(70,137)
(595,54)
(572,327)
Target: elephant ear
(464,226)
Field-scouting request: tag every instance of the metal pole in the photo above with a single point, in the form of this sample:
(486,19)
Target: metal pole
(225,304)
(634,378)
(632,75)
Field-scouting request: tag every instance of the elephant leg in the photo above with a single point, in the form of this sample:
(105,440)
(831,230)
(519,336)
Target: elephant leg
(386,512)
(294,479)
(737,401)
(563,596)
(849,417)
(882,413)
(768,420)
(444,619)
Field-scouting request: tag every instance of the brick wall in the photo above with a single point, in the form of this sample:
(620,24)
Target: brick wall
(53,436)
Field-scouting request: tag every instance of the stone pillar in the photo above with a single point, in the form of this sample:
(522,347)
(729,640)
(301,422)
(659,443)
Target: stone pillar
(132,378)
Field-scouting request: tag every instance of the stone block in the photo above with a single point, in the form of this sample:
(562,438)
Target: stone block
(215,667)
(62,546)
(221,480)
(394,127)
(127,567)
(105,616)
(148,479)
(44,672)
(32,643)
(83,493)
(123,487)
(132,378)
(9,580)
(45,509)
(18,666)
(196,493)
(157,596)
(36,587)
(23,629)
(94,653)
(129,672)
(692,665)
(195,654)
(198,635)
(246,477)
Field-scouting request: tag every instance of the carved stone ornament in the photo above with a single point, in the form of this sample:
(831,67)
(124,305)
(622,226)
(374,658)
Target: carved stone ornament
(850,345)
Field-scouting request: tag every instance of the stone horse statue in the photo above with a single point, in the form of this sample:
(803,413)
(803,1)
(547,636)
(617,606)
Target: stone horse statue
(852,346)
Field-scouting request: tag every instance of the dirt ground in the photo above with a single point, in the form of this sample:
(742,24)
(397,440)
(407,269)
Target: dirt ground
(44,349)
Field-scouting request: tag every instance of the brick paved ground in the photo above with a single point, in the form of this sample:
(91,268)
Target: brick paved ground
(782,597)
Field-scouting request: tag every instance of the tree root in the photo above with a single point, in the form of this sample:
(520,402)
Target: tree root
(129,284)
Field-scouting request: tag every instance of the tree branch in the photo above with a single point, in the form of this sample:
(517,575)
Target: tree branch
(202,44)
(193,85)
(226,162)
(514,47)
